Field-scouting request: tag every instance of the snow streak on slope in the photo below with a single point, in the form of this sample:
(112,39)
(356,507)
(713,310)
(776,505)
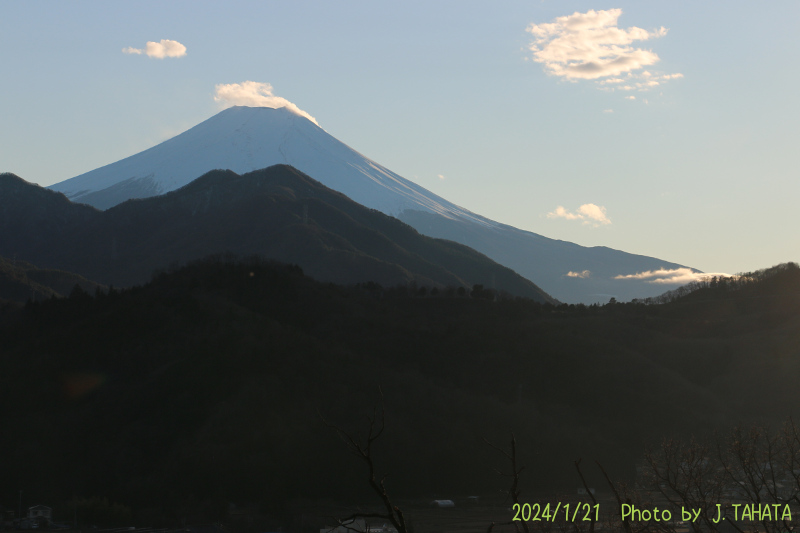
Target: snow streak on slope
(249,138)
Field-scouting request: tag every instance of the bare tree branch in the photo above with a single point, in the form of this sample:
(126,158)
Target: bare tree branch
(363,450)
(514,475)
(588,491)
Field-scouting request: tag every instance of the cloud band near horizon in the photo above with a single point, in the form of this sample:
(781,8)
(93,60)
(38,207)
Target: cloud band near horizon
(671,276)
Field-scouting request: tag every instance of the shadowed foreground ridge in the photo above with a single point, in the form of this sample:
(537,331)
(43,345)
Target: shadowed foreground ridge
(278,212)
(202,387)
(21,281)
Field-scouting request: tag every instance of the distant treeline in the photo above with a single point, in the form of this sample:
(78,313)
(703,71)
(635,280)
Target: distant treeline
(761,281)
(21,281)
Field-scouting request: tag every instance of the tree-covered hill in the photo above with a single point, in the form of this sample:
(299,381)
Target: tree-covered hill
(278,213)
(204,387)
(21,281)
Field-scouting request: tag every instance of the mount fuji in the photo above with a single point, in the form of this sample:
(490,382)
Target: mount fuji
(243,139)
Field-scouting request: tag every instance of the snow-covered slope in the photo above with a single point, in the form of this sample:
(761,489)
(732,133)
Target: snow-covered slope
(249,138)
(243,139)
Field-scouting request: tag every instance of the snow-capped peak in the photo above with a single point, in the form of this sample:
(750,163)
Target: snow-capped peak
(248,138)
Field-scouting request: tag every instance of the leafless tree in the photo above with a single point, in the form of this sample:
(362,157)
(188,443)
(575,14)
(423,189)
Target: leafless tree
(514,491)
(362,448)
(750,469)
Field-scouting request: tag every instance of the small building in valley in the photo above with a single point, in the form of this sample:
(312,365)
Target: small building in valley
(40,514)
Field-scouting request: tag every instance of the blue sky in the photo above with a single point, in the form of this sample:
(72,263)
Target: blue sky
(699,169)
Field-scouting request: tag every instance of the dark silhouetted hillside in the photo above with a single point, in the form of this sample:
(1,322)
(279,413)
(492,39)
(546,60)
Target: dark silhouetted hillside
(204,386)
(21,281)
(278,213)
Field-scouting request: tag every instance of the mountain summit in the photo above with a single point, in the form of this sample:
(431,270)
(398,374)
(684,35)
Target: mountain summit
(243,139)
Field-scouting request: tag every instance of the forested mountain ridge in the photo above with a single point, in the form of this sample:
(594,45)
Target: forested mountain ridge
(21,281)
(278,212)
(204,386)
(32,216)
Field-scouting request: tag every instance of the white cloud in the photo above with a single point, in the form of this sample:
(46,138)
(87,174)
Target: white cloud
(590,46)
(165,48)
(589,214)
(583,274)
(594,212)
(608,110)
(441,177)
(630,98)
(255,94)
(673,276)
(560,212)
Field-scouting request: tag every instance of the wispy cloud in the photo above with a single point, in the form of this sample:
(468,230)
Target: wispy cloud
(441,177)
(590,46)
(642,81)
(671,276)
(582,274)
(165,48)
(589,214)
(255,94)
